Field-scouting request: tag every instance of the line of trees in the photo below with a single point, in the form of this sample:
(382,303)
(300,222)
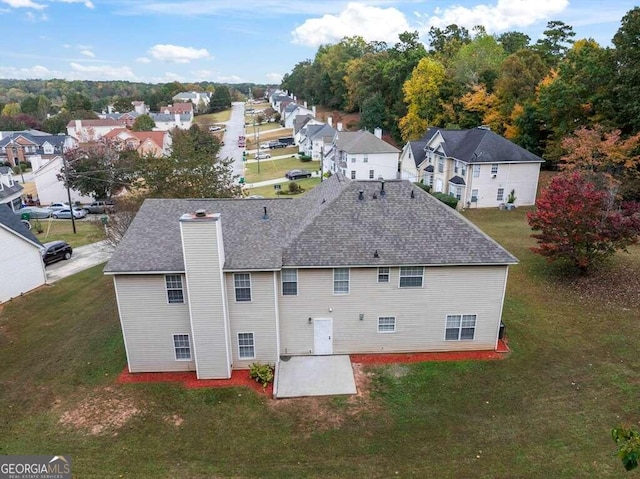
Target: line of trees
(532,93)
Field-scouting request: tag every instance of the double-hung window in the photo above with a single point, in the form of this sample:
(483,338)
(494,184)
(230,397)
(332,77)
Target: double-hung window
(175,294)
(387,324)
(371,174)
(353,174)
(460,327)
(181,347)
(500,195)
(411,276)
(383,275)
(246,346)
(341,281)
(494,169)
(289,282)
(242,284)
(440,164)
(476,171)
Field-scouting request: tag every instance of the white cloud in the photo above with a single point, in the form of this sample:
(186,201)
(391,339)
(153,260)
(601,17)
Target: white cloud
(205,75)
(177,54)
(102,72)
(274,77)
(503,15)
(86,3)
(230,79)
(24,4)
(87,53)
(143,60)
(371,23)
(37,71)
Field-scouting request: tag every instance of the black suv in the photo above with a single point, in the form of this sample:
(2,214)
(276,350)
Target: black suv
(55,251)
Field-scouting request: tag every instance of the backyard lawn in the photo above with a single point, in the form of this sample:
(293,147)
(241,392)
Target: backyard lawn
(211,118)
(87,231)
(545,411)
(271,169)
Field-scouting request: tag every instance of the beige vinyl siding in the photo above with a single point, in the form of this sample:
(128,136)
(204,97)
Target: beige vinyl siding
(149,323)
(420,312)
(257,316)
(203,260)
(21,266)
(521,177)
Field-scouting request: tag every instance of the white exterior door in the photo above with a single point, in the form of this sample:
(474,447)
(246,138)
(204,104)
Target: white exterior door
(322,336)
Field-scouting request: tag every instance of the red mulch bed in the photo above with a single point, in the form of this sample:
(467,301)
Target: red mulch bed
(189,380)
(241,377)
(499,353)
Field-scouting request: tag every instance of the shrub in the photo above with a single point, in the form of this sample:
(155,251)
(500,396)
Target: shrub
(426,188)
(304,157)
(262,373)
(446,199)
(295,188)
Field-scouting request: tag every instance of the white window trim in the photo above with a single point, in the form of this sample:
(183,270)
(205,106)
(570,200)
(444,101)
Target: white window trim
(410,287)
(395,325)
(476,171)
(348,282)
(494,166)
(253,337)
(282,281)
(462,315)
(388,275)
(167,289)
(235,289)
(500,196)
(175,352)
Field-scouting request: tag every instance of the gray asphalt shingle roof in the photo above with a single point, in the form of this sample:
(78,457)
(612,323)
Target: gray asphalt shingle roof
(417,151)
(11,221)
(327,227)
(363,142)
(480,145)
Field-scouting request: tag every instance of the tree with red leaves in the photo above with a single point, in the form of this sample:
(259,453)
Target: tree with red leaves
(580,221)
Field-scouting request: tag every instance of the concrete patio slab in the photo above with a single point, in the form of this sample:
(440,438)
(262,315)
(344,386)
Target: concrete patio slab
(300,376)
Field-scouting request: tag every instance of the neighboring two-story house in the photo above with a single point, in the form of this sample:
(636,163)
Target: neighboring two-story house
(92,130)
(477,166)
(351,267)
(10,190)
(361,155)
(316,138)
(154,143)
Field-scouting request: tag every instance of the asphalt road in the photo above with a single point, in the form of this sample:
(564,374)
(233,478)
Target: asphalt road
(235,128)
(84,257)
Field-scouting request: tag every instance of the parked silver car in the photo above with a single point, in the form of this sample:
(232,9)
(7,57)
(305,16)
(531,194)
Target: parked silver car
(35,212)
(66,213)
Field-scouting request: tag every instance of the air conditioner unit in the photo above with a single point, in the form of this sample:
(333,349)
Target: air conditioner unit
(493,176)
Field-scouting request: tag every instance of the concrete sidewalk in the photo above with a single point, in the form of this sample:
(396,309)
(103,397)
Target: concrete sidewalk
(84,257)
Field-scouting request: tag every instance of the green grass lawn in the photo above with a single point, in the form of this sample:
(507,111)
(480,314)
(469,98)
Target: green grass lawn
(270,192)
(543,412)
(271,169)
(87,231)
(211,118)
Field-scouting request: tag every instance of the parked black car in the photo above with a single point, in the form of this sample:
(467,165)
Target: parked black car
(296,174)
(276,144)
(55,251)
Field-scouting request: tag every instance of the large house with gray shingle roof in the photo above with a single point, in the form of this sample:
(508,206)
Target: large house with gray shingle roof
(213,285)
(477,166)
(361,155)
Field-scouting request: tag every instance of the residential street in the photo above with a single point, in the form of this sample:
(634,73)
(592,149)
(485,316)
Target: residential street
(235,128)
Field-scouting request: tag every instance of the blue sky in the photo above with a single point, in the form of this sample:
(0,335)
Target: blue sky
(246,40)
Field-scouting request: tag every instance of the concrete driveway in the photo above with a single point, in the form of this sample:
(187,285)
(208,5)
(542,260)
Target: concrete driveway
(84,257)
(299,376)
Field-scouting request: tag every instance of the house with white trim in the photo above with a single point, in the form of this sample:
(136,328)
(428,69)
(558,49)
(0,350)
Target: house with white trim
(361,155)
(10,189)
(477,166)
(20,258)
(214,285)
(92,130)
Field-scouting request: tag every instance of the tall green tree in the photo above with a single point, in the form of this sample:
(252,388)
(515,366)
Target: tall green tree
(220,100)
(627,80)
(513,41)
(446,43)
(193,170)
(77,102)
(143,123)
(11,109)
(374,113)
(123,105)
(557,39)
(478,62)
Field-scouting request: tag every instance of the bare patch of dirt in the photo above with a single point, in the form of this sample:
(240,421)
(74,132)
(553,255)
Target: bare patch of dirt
(329,412)
(174,419)
(103,411)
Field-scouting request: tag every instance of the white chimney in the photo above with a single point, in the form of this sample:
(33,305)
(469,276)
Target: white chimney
(313,108)
(339,126)
(378,133)
(109,109)
(305,104)
(78,126)
(177,118)
(330,121)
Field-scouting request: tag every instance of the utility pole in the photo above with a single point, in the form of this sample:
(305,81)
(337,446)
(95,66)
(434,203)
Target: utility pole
(66,181)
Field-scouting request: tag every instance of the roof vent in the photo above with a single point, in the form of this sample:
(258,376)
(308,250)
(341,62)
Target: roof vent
(265,216)
(375,195)
(382,192)
(361,195)
(375,254)
(201,213)
(413,195)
